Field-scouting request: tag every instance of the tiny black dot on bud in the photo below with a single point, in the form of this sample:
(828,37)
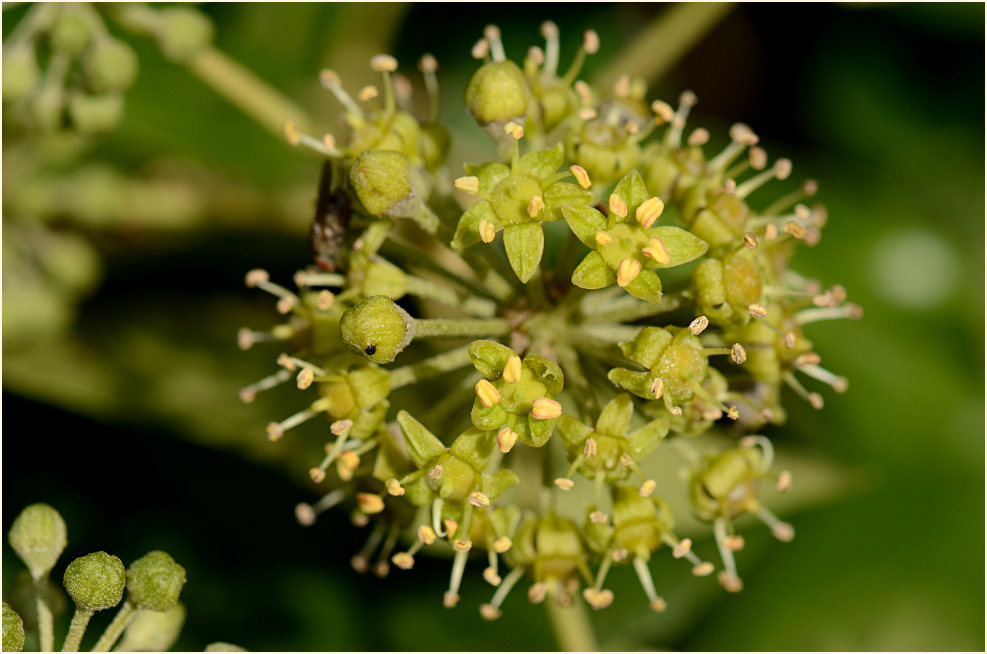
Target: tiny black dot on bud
(370,350)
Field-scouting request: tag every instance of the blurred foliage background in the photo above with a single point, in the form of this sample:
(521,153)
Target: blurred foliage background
(123,260)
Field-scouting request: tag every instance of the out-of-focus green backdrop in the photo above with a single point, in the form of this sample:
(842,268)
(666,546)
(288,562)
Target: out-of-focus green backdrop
(120,401)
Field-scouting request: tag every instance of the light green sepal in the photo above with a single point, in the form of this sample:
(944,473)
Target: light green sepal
(524,244)
(421,444)
(593,273)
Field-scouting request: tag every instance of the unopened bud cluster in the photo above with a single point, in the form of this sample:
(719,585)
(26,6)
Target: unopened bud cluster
(475,345)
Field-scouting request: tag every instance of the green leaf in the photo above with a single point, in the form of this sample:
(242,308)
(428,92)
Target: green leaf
(616,416)
(422,445)
(492,417)
(542,163)
(593,272)
(475,447)
(540,431)
(682,246)
(524,244)
(490,175)
(646,286)
(547,372)
(573,432)
(644,440)
(467,232)
(489,357)
(584,222)
(638,383)
(560,195)
(633,192)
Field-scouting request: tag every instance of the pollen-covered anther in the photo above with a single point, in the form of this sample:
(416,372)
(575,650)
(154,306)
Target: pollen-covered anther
(491,577)
(697,326)
(340,427)
(450,599)
(699,136)
(305,514)
(506,439)
(487,231)
(789,340)
(704,569)
(626,460)
(536,55)
(428,63)
(734,543)
(682,548)
(451,527)
(738,354)
(477,498)
(468,184)
(783,532)
(245,338)
(597,517)
(515,130)
(369,503)
(349,460)
(403,560)
(757,311)
(784,481)
(617,205)
(733,413)
(584,92)
(393,487)
(535,206)
(435,472)
(743,134)
(657,388)
(783,168)
(274,431)
(598,599)
(291,133)
(649,211)
(627,271)
(287,362)
(771,232)
(462,545)
(286,304)
(512,369)
(589,448)
(630,127)
(317,475)
(663,111)
(647,488)
(658,605)
(324,300)
(603,238)
(758,158)
(591,41)
(750,240)
(256,277)
(730,581)
(794,229)
(426,535)
(383,63)
(545,409)
(586,113)
(582,177)
(537,592)
(480,49)
(488,395)
(502,544)
(305,378)
(657,251)
(622,87)
(619,555)
(368,92)
(564,483)
(490,612)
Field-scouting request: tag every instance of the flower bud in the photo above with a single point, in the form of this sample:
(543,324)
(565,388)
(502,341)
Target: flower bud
(154,582)
(20,75)
(381,179)
(184,33)
(153,631)
(96,113)
(13,630)
(38,536)
(110,65)
(497,92)
(70,34)
(96,581)
(377,328)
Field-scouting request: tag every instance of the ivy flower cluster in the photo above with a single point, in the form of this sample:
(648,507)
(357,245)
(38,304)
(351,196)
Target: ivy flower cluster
(474,350)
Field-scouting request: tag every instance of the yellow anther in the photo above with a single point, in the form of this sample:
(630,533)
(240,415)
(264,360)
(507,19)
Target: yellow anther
(506,440)
(349,460)
(750,240)
(626,460)
(627,271)
(468,184)
(285,304)
(589,448)
(383,63)
(591,41)
(783,532)
(245,338)
(403,560)
(490,612)
(757,311)
(537,55)
(619,555)
(564,483)
(393,487)
(436,472)
(502,544)
(317,475)
(622,87)
(451,527)
(598,599)
(581,175)
(789,340)
(512,369)
(305,514)
(274,431)
(771,232)
(649,211)
(658,605)
(730,581)
(703,569)
(758,158)
(537,592)
(733,414)
(631,127)
(584,92)
(340,427)
(783,168)
(586,113)
(535,206)
(743,134)
(428,63)
(491,577)
(597,518)
(426,535)
(324,300)
(794,229)
(487,231)
(657,251)
(784,481)
(329,78)
(697,326)
(480,49)
(808,359)
(603,238)
(663,111)
(545,409)
(657,388)
(461,545)
(699,136)
(734,543)
(291,133)
(368,92)
(617,205)
(515,130)
(648,487)
(450,599)
(477,498)
(369,503)
(487,393)
(305,378)
(682,548)
(256,277)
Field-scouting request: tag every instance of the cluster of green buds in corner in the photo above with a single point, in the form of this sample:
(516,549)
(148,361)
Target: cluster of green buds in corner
(464,384)
(149,619)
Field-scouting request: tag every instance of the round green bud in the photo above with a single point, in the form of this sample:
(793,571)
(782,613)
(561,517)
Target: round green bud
(96,113)
(497,92)
(377,328)
(110,65)
(184,33)
(13,630)
(381,179)
(70,34)
(154,582)
(95,581)
(38,536)
(20,75)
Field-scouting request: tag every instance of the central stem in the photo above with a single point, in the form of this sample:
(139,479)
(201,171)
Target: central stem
(571,626)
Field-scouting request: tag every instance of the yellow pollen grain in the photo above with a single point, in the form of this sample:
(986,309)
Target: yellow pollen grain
(591,41)
(617,205)
(502,544)
(515,130)
(663,110)
(603,238)
(274,431)
(699,136)
(658,605)
(582,177)
(545,409)
(489,612)
(784,481)
(649,211)
(256,277)
(450,599)
(703,569)
(758,158)
(480,49)
(697,326)
(488,395)
(350,459)
(598,599)
(734,543)
(535,206)
(468,184)
(794,229)
(627,271)
(771,232)
(733,414)
(512,369)
(487,231)
(340,427)
(285,304)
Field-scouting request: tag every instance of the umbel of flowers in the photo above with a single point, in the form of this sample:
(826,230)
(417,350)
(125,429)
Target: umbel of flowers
(601,288)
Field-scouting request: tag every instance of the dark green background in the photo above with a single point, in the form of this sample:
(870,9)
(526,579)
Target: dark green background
(129,424)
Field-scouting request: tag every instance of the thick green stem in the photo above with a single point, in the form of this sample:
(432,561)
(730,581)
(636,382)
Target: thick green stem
(112,633)
(46,626)
(430,367)
(572,627)
(442,327)
(76,630)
